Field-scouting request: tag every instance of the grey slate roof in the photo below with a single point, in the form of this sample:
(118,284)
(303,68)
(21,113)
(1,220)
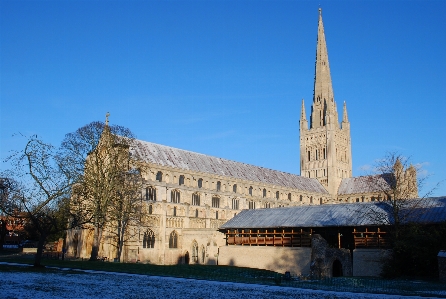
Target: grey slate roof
(182,159)
(364,184)
(431,210)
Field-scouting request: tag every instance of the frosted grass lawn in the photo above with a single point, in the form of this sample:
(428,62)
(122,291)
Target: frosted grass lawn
(99,284)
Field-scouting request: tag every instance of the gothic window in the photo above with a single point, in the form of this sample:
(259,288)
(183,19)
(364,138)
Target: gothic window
(309,155)
(173,240)
(196,213)
(289,196)
(264,192)
(151,193)
(216,214)
(300,198)
(325,156)
(317,156)
(215,201)
(175,196)
(218,186)
(250,190)
(159,176)
(252,205)
(320,201)
(181,180)
(175,211)
(196,199)
(148,240)
(234,188)
(195,252)
(357,200)
(200,183)
(277,194)
(235,204)
(316,172)
(267,205)
(150,210)
(311,199)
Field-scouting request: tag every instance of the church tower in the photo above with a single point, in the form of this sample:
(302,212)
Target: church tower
(325,146)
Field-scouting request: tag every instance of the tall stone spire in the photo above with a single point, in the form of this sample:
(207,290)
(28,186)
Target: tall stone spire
(323,98)
(344,114)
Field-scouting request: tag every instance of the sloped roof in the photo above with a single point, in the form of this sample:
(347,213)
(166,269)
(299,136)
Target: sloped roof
(182,159)
(430,210)
(364,184)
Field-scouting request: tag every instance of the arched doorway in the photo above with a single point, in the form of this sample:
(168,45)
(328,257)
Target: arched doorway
(186,258)
(337,268)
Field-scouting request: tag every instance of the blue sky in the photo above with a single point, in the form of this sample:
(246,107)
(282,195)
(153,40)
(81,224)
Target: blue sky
(226,78)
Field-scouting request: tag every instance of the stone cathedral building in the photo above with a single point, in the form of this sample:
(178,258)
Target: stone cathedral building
(190,195)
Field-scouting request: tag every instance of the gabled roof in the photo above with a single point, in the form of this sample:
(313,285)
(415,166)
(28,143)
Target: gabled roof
(430,210)
(186,160)
(364,184)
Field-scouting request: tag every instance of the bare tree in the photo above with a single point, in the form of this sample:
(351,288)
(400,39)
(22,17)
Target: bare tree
(38,190)
(397,187)
(100,155)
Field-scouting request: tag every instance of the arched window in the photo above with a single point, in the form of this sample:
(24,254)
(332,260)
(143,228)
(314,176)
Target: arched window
(252,205)
(267,205)
(289,196)
(151,193)
(195,252)
(234,188)
(235,204)
(159,176)
(215,201)
(150,209)
(218,186)
(174,211)
(200,183)
(216,214)
(311,199)
(181,180)
(309,155)
(325,155)
(175,196)
(277,194)
(317,156)
(300,198)
(250,190)
(196,213)
(148,240)
(173,240)
(196,199)
(320,201)
(264,192)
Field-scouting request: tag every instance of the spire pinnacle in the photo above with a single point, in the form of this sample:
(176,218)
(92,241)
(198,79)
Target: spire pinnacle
(303,116)
(344,114)
(106,118)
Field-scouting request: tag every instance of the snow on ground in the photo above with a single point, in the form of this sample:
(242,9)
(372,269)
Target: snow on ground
(98,284)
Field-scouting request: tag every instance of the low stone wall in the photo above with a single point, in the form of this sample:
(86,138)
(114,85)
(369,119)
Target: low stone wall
(369,262)
(442,265)
(296,260)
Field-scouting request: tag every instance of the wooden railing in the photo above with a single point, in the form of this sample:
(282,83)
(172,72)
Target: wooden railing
(371,239)
(284,238)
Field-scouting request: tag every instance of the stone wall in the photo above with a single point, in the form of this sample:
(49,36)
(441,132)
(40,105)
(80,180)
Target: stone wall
(369,262)
(327,262)
(279,259)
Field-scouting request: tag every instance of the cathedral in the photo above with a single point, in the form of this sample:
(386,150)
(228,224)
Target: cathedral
(190,195)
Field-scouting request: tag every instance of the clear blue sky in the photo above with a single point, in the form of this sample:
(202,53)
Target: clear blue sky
(226,78)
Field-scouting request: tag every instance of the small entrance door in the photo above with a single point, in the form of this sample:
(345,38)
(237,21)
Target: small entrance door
(337,268)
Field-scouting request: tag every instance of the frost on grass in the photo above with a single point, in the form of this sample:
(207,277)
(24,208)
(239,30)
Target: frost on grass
(116,285)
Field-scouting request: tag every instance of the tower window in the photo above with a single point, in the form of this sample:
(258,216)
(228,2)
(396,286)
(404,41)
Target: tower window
(235,204)
(215,201)
(234,188)
(196,199)
(159,176)
(218,186)
(309,155)
(200,183)
(289,196)
(173,240)
(175,196)
(264,192)
(250,190)
(151,193)
(277,194)
(181,180)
